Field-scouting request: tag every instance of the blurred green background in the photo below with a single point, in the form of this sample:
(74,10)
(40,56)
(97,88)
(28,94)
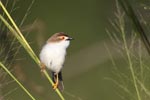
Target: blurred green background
(87,63)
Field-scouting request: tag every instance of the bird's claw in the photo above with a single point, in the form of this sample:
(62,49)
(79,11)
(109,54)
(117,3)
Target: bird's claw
(55,86)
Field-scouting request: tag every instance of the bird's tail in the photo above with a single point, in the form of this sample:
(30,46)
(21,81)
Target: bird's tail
(60,79)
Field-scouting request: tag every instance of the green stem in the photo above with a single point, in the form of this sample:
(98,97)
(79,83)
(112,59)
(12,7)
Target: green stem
(11,75)
(25,44)
(130,63)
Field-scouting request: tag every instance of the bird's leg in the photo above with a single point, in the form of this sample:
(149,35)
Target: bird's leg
(42,67)
(56,82)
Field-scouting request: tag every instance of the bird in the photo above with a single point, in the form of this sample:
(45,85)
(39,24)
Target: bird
(52,57)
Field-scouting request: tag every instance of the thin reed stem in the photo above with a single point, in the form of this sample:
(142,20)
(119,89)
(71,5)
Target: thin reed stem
(130,63)
(14,78)
(25,44)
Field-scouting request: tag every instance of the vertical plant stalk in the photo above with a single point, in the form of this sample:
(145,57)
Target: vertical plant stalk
(25,44)
(14,78)
(131,66)
(130,62)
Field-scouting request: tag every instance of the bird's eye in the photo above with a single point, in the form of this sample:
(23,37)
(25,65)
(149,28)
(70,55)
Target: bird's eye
(62,37)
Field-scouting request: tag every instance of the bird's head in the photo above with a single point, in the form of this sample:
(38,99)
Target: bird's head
(60,38)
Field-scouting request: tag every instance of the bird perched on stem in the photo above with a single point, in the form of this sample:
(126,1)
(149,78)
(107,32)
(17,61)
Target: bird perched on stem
(52,56)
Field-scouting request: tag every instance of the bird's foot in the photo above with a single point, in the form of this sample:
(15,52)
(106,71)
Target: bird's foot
(55,85)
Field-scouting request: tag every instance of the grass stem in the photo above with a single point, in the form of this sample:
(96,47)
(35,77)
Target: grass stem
(130,63)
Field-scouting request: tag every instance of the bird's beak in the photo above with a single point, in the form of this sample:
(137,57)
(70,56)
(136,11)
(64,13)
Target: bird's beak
(69,38)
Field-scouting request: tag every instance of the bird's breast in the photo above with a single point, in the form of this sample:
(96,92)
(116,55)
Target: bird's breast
(53,57)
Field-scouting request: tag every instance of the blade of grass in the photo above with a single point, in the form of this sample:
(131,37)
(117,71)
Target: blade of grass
(14,78)
(27,12)
(25,44)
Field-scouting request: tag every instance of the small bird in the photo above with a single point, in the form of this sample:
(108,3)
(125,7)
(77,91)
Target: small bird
(53,55)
